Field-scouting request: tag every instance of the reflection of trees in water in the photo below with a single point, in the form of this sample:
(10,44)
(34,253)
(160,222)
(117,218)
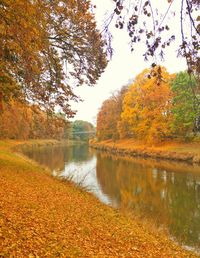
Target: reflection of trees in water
(55,157)
(106,177)
(185,208)
(132,184)
(51,156)
(170,197)
(81,152)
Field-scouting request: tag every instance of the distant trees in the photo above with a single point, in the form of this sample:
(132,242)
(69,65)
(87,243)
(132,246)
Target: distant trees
(152,109)
(108,118)
(24,121)
(81,130)
(21,121)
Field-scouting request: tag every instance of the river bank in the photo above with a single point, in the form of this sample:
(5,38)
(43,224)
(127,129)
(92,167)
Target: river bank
(44,217)
(176,151)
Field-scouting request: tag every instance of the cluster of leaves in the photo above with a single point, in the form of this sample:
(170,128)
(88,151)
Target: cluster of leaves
(21,121)
(45,45)
(148,23)
(152,109)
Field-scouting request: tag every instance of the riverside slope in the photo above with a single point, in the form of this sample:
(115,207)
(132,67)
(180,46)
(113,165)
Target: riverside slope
(187,152)
(41,216)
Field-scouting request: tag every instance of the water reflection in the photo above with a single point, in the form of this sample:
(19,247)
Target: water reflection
(55,157)
(166,192)
(77,162)
(168,196)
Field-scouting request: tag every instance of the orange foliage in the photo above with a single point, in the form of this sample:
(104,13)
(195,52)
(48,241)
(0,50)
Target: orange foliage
(108,118)
(21,121)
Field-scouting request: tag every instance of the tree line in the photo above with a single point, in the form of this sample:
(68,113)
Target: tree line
(19,120)
(152,109)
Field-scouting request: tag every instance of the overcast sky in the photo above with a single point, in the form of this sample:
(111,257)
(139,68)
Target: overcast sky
(123,67)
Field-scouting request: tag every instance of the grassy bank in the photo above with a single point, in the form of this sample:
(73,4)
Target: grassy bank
(188,152)
(41,216)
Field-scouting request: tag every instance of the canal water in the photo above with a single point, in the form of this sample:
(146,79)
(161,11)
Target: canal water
(167,193)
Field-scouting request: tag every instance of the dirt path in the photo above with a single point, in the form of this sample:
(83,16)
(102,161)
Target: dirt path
(43,217)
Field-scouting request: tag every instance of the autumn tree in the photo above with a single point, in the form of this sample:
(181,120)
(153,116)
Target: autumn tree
(122,126)
(45,45)
(108,118)
(147,106)
(15,121)
(185,105)
(106,124)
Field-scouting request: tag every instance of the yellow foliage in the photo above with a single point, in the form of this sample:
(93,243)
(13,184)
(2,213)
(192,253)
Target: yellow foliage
(147,105)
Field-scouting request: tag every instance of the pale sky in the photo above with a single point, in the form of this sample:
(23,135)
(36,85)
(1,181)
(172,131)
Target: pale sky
(123,67)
